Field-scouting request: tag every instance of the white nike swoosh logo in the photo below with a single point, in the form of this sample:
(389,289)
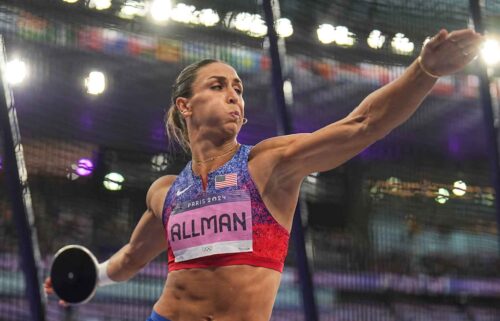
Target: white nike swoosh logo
(179,193)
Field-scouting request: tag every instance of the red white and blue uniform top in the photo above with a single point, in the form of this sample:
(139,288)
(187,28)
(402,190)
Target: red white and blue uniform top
(226,224)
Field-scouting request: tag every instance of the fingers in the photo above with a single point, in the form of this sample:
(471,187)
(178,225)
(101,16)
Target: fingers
(447,53)
(464,39)
(460,38)
(47,286)
(435,41)
(64,303)
(468,48)
(463,35)
(472,48)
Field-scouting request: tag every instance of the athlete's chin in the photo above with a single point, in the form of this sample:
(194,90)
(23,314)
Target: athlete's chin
(232,129)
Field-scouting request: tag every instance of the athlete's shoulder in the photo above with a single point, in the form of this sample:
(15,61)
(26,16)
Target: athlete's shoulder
(274,144)
(158,191)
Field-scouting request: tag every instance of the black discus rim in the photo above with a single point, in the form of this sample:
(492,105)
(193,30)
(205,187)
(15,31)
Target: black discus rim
(80,274)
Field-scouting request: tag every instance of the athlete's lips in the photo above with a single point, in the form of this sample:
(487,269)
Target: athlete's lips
(235,114)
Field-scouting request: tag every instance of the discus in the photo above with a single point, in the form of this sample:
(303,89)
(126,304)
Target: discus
(74,274)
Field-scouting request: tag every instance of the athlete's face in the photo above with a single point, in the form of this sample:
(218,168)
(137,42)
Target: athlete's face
(217,101)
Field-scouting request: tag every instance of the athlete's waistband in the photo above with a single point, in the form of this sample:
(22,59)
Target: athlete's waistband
(156,317)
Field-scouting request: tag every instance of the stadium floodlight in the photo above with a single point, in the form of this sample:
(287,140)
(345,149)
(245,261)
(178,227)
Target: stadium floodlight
(376,39)
(188,14)
(70,1)
(184,13)
(288,91)
(159,162)
(243,21)
(84,167)
(252,24)
(343,37)
(113,181)
(401,44)
(95,83)
(100,4)
(490,52)
(132,8)
(394,183)
(259,29)
(284,27)
(339,35)
(442,196)
(161,10)
(208,17)
(16,71)
(459,188)
(326,33)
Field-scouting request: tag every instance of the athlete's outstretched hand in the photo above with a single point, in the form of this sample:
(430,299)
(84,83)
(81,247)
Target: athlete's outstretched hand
(49,290)
(449,52)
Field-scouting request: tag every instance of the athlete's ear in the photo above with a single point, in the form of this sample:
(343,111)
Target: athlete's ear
(181,103)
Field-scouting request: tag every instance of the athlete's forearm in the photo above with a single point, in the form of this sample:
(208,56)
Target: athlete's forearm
(124,264)
(391,105)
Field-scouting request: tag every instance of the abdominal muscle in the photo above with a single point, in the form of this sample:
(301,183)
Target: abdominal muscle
(228,293)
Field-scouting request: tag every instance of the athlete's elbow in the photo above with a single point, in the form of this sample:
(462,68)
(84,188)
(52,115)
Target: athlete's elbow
(370,127)
(132,259)
(374,124)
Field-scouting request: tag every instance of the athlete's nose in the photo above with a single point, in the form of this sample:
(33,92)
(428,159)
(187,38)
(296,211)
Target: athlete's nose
(232,97)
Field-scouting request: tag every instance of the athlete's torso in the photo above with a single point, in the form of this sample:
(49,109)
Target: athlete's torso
(241,292)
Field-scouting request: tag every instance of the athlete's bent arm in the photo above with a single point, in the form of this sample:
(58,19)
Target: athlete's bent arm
(147,240)
(379,113)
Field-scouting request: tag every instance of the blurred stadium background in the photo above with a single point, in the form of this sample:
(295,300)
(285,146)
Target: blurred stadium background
(407,230)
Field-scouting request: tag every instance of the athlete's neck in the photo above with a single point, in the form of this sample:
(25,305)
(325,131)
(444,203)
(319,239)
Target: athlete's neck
(207,157)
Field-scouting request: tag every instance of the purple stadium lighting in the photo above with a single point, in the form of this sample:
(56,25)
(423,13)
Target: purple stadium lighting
(85,167)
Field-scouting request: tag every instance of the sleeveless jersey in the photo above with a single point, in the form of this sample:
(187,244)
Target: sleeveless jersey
(227,224)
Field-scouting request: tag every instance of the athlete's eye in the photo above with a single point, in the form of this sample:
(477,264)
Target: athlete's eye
(238,90)
(216,87)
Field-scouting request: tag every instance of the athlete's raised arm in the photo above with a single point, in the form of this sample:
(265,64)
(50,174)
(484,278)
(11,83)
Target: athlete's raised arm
(379,113)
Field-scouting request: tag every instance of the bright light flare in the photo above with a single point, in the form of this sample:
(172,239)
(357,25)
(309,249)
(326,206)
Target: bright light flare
(161,10)
(95,83)
(490,52)
(16,72)
(284,27)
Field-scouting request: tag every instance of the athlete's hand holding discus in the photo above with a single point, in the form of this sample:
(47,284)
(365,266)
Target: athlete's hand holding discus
(75,275)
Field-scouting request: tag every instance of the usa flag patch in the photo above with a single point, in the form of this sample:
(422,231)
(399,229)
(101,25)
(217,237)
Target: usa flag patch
(226,180)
